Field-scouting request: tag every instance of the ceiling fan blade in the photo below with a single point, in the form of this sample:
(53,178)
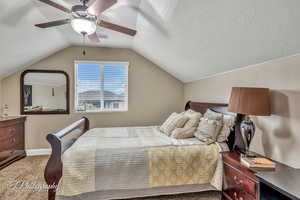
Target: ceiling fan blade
(117,28)
(53,23)
(56,5)
(100,5)
(94,37)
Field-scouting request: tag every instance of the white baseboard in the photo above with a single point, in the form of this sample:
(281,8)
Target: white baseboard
(38,152)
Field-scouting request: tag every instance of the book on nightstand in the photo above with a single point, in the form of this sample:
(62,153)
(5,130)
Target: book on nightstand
(257,162)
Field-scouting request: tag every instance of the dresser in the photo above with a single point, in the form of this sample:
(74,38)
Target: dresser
(240,182)
(12,141)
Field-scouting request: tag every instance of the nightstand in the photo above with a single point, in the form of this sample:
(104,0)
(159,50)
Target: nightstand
(240,182)
(280,185)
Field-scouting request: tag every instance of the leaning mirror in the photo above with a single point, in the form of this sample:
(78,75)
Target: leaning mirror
(44,92)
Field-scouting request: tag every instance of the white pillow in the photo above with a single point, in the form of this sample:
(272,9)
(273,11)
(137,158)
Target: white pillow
(228,123)
(208,130)
(183,133)
(175,120)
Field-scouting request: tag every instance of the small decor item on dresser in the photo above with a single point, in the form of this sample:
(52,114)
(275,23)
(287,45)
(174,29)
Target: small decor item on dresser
(247,101)
(5,111)
(258,162)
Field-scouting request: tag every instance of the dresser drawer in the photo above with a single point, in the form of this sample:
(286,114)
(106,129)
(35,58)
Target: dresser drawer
(11,140)
(11,143)
(12,137)
(8,132)
(242,196)
(238,186)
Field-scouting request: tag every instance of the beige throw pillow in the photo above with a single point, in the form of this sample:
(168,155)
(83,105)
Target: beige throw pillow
(183,133)
(194,118)
(208,130)
(209,114)
(175,120)
(191,113)
(228,123)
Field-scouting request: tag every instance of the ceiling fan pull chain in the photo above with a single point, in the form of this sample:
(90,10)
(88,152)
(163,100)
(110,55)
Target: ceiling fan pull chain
(83,35)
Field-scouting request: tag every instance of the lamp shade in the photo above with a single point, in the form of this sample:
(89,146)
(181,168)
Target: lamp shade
(250,101)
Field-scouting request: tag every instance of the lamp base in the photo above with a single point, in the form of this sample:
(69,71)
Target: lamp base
(247,129)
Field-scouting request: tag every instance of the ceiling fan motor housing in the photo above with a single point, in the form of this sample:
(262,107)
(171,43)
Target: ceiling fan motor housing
(84,2)
(80,10)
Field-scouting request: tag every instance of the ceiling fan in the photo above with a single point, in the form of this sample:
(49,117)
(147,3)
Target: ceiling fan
(84,19)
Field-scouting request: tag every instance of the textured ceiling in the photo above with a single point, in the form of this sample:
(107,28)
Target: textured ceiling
(198,38)
(190,39)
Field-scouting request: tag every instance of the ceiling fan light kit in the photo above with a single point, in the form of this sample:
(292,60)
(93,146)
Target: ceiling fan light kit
(83,26)
(85,19)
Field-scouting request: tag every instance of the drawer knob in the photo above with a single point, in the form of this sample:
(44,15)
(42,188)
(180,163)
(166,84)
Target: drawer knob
(11,130)
(238,182)
(13,140)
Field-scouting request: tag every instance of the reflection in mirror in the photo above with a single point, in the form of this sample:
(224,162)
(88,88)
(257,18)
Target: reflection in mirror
(45,92)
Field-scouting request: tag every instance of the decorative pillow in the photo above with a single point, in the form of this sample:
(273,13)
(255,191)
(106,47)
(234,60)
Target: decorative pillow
(183,133)
(191,113)
(175,120)
(208,130)
(228,123)
(209,114)
(194,118)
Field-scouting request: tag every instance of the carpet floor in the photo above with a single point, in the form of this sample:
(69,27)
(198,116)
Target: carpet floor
(23,179)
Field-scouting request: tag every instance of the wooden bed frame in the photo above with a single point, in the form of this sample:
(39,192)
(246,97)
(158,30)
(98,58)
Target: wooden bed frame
(53,170)
(65,138)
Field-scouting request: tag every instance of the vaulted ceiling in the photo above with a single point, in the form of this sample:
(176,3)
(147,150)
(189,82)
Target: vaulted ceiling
(190,39)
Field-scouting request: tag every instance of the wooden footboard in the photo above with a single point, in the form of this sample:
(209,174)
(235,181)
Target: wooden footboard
(60,142)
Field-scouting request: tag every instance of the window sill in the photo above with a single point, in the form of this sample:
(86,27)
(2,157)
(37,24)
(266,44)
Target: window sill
(98,112)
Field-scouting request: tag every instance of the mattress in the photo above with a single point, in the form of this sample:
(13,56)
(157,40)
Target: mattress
(110,163)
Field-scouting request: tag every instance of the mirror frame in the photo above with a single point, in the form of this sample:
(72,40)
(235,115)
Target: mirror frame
(23,112)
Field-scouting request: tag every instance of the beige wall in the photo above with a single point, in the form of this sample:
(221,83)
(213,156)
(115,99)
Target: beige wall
(153,93)
(277,136)
(1,97)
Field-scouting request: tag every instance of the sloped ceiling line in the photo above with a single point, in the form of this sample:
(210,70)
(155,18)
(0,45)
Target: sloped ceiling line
(189,39)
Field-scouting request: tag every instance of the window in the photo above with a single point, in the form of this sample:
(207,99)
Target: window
(101,86)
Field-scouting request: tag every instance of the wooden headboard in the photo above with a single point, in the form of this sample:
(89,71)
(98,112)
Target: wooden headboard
(217,107)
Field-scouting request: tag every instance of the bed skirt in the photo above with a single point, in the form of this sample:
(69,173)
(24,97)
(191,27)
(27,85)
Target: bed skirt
(151,192)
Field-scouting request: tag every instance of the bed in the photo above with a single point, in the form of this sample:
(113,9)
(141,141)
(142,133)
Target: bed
(131,162)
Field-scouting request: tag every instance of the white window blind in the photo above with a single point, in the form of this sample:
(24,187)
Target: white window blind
(101,86)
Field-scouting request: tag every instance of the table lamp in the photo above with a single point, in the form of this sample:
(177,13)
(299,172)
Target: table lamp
(247,101)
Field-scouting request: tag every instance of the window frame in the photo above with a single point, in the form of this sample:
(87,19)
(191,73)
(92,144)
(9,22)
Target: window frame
(76,62)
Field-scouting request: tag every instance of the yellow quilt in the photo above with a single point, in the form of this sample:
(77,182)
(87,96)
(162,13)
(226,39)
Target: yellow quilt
(181,165)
